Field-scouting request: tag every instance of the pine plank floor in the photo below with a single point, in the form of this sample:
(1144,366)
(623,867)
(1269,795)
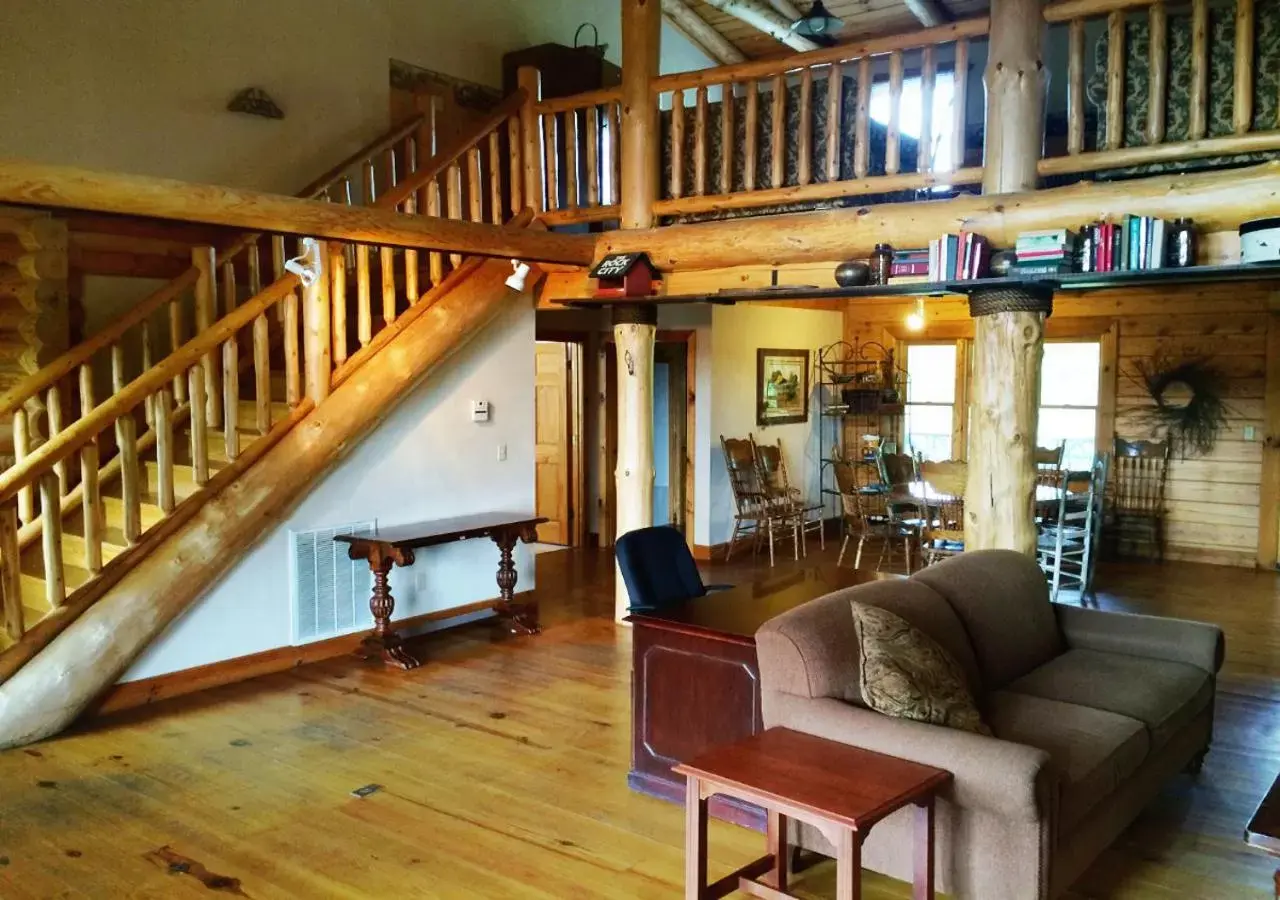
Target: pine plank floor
(501,767)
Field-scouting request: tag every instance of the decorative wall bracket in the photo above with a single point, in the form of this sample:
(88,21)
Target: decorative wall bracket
(255,102)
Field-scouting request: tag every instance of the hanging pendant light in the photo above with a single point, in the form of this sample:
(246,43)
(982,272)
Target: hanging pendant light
(818,24)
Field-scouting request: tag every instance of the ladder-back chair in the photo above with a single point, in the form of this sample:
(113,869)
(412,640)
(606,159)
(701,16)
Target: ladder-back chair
(865,516)
(1067,547)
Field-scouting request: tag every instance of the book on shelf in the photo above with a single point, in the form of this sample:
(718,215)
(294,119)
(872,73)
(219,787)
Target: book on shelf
(1132,244)
(919,278)
(958,257)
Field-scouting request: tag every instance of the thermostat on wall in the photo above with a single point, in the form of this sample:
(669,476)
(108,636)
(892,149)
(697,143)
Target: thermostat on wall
(479,410)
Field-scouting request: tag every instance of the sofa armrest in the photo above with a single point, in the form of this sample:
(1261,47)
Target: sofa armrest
(1012,781)
(1155,637)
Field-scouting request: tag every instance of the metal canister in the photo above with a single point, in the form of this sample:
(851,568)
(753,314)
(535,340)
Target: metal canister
(1182,244)
(881,264)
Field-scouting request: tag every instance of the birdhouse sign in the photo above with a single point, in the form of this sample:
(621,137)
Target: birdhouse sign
(625,275)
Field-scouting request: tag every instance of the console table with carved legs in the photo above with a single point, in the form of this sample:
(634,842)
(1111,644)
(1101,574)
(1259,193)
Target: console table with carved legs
(395,546)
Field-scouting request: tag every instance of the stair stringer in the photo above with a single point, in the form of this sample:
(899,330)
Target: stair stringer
(52,689)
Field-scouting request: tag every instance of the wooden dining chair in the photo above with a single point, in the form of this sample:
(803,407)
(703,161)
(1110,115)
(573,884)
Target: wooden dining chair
(865,516)
(777,483)
(942,485)
(748,500)
(782,502)
(1048,462)
(1139,474)
(1067,546)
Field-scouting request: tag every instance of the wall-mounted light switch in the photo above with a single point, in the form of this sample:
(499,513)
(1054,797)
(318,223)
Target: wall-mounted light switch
(502,453)
(1250,433)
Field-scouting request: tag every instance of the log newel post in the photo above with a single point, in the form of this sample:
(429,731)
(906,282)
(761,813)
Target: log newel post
(1008,331)
(316,338)
(530,80)
(634,330)
(641,36)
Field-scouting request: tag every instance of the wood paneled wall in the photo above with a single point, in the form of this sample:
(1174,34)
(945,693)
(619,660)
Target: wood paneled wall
(1222,508)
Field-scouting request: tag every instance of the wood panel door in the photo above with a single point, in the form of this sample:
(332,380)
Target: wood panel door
(551,441)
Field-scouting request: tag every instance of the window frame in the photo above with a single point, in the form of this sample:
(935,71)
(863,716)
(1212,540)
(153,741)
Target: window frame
(957,394)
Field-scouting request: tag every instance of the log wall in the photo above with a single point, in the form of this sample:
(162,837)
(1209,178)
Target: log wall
(1215,511)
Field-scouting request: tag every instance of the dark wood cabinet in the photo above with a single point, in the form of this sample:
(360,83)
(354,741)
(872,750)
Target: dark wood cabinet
(565,70)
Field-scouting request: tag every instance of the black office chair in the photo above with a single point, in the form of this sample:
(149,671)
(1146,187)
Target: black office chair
(658,569)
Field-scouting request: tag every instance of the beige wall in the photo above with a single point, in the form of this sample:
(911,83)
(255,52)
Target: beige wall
(141,86)
(737,333)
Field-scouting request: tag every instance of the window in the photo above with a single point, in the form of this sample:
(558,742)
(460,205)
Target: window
(931,398)
(910,118)
(1069,401)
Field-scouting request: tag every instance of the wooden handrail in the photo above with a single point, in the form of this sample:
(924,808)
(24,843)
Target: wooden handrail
(390,139)
(578,101)
(38,184)
(451,153)
(159,376)
(37,382)
(1066,10)
(749,71)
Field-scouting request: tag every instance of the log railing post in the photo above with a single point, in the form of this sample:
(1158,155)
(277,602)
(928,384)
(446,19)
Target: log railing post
(530,80)
(316,340)
(1008,338)
(634,331)
(641,37)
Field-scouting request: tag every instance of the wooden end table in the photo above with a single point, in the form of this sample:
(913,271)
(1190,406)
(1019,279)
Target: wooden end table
(1263,830)
(840,790)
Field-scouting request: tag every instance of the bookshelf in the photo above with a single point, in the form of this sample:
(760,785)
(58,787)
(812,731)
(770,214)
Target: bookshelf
(1075,281)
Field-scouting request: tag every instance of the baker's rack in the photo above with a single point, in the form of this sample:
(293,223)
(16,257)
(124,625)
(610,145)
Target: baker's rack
(861,395)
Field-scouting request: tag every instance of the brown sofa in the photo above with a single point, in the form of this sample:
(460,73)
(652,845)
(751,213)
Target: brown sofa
(1092,712)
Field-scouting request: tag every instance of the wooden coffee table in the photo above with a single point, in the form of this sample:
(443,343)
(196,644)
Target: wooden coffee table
(840,790)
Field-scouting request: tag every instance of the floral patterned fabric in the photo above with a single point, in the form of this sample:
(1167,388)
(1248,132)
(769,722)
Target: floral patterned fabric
(1219,116)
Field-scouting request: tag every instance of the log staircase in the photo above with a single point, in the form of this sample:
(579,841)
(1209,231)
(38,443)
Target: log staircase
(204,377)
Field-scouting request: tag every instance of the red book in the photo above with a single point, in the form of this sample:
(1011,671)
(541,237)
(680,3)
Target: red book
(960,255)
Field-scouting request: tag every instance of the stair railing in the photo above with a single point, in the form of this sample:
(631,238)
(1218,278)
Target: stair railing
(218,384)
(134,340)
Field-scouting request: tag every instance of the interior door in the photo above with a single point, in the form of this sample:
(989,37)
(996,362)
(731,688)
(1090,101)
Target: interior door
(551,440)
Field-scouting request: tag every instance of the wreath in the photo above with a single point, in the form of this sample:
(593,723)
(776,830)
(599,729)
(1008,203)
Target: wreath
(1188,402)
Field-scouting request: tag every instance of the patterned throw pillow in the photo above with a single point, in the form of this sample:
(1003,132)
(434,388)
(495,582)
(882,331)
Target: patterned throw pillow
(906,674)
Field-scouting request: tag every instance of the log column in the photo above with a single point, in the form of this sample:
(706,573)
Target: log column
(634,330)
(634,326)
(1008,340)
(641,37)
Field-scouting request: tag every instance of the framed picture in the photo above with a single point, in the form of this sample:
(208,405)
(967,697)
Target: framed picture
(782,387)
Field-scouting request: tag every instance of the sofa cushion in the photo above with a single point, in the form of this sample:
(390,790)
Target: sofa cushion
(1162,695)
(906,674)
(1003,600)
(812,650)
(1092,750)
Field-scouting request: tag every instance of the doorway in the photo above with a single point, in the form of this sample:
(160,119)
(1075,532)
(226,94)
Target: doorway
(557,403)
(674,375)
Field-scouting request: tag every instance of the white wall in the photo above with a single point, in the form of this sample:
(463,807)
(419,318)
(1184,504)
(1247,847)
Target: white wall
(141,86)
(738,332)
(426,461)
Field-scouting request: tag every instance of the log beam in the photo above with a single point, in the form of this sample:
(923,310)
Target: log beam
(929,13)
(765,18)
(1218,201)
(700,34)
(36,184)
(634,332)
(1008,337)
(53,687)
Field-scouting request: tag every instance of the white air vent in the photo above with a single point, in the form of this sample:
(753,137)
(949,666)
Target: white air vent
(330,591)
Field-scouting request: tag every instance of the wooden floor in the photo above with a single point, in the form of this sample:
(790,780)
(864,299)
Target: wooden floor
(501,765)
